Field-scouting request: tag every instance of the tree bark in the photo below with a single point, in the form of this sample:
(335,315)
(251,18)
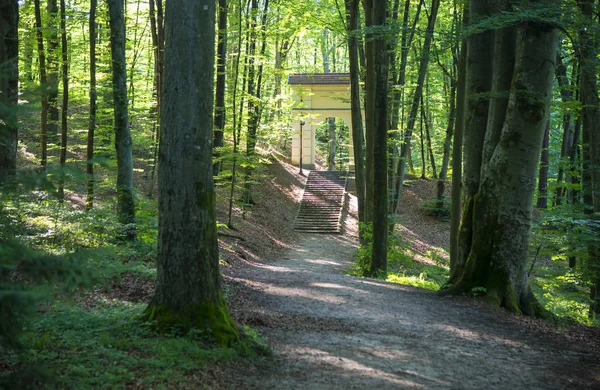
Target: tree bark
(65,94)
(188,292)
(43,86)
(9,85)
(220,86)
(478,81)
(332,145)
(125,195)
(52,68)
(89,203)
(380,158)
(591,142)
(457,151)
(357,124)
(542,200)
(504,201)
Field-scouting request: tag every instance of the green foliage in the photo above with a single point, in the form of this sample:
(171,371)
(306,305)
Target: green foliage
(110,348)
(402,269)
(432,207)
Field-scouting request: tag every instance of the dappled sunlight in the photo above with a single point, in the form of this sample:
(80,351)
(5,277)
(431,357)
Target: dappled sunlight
(360,365)
(473,335)
(323,262)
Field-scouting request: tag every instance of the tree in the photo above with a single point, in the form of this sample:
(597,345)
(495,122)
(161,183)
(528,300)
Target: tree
(125,196)
(65,93)
(9,80)
(378,65)
(188,292)
(220,87)
(52,67)
(89,202)
(43,85)
(352,18)
(502,205)
(424,61)
(591,140)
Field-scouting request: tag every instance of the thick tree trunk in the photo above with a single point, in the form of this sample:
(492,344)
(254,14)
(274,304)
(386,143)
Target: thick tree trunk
(220,86)
(542,200)
(125,196)
(89,202)
(188,292)
(357,124)
(9,81)
(478,81)
(591,141)
(43,86)
(380,161)
(503,204)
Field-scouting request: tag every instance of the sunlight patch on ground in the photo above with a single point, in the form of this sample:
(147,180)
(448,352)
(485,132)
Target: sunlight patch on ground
(353,365)
(478,336)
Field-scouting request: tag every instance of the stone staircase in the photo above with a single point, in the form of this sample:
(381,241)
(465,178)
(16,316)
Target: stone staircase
(321,206)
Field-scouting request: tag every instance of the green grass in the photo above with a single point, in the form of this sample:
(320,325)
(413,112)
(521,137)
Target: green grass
(110,348)
(562,291)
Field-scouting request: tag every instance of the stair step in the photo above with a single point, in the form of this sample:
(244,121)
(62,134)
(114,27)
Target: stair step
(322,201)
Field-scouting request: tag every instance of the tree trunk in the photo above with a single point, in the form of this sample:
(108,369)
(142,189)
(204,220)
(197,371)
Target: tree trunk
(380,159)
(566,96)
(220,86)
(157,26)
(369,100)
(502,208)
(424,62)
(52,68)
(542,200)
(65,94)
(478,81)
(427,122)
(457,161)
(188,292)
(422,139)
(125,196)
(357,124)
(89,203)
(452,75)
(9,85)
(332,144)
(591,142)
(43,86)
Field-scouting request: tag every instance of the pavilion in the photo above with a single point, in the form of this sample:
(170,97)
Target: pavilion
(318,96)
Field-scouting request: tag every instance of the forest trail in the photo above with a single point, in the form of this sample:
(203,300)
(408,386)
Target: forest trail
(329,330)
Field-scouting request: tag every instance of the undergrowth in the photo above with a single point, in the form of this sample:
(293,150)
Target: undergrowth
(63,337)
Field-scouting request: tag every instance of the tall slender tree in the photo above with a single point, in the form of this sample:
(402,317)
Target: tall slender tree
(65,91)
(43,84)
(125,195)
(9,80)
(220,86)
(352,16)
(188,292)
(89,202)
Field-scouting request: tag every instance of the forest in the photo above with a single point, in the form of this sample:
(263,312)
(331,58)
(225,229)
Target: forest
(148,191)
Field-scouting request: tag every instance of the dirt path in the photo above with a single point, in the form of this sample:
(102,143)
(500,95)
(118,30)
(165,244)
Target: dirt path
(333,331)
